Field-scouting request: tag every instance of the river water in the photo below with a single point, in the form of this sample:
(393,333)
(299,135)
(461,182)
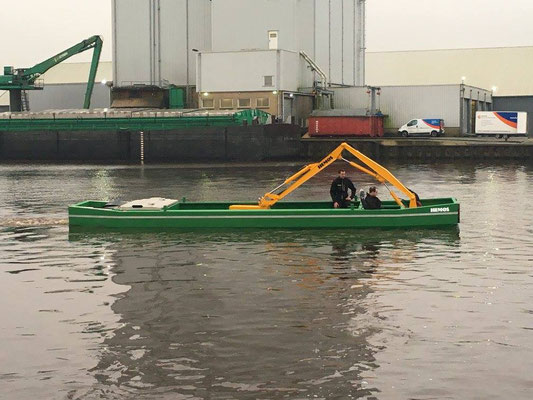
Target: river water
(373,314)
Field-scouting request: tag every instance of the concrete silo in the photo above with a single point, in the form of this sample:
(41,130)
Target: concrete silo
(331,32)
(153,41)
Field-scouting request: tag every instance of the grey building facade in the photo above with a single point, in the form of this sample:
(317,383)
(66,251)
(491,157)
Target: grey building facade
(68,96)
(456,104)
(516,103)
(331,32)
(154,40)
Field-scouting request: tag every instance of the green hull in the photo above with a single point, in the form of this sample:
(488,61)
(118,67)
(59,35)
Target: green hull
(290,215)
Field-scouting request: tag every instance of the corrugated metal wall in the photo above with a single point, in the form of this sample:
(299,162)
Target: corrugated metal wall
(132,41)
(352,98)
(403,103)
(329,31)
(67,96)
(153,40)
(339,40)
(516,103)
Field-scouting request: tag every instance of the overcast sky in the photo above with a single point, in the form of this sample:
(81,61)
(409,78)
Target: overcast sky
(39,29)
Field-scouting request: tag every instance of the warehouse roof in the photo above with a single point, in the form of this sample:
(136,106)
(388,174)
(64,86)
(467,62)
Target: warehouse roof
(505,68)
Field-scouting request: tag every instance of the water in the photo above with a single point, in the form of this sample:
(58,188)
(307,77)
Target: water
(395,314)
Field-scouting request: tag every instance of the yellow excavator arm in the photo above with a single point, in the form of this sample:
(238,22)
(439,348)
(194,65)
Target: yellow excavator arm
(372,168)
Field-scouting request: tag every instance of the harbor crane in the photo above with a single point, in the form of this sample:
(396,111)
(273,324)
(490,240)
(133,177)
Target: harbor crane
(17,81)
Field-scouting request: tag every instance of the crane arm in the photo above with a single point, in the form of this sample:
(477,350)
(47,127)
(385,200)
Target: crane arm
(92,73)
(31,74)
(24,78)
(373,169)
(383,175)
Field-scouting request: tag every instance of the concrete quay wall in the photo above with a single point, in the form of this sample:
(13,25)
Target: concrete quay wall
(235,143)
(425,149)
(238,143)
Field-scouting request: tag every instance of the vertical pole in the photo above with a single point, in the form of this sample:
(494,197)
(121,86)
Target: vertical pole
(360,43)
(142,148)
(314,40)
(115,51)
(154,43)
(354,43)
(342,42)
(187,94)
(159,42)
(329,41)
(15,100)
(363,42)
(462,120)
(150,41)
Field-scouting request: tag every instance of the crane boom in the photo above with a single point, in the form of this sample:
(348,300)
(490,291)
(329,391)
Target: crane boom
(25,78)
(372,168)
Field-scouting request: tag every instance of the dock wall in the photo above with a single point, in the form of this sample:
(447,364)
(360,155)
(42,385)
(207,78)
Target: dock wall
(235,143)
(253,143)
(425,149)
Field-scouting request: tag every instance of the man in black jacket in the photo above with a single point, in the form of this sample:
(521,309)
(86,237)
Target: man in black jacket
(371,201)
(339,190)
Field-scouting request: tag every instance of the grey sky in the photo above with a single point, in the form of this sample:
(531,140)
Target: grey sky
(40,29)
(447,24)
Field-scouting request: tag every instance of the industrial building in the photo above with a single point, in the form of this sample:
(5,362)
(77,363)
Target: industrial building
(516,103)
(455,104)
(230,54)
(505,69)
(286,57)
(486,68)
(153,41)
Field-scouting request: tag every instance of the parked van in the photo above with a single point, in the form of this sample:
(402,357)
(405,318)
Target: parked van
(430,126)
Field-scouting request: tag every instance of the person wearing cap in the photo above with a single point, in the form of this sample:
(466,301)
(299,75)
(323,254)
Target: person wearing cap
(339,190)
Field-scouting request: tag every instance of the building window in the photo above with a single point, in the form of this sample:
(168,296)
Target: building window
(245,103)
(268,81)
(226,103)
(208,103)
(263,102)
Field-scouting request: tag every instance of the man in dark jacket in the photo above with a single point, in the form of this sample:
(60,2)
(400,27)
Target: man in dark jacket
(339,191)
(371,201)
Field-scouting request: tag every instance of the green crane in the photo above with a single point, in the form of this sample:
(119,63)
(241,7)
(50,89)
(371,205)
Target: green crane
(17,81)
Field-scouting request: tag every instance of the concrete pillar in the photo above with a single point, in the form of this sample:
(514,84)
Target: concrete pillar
(15,100)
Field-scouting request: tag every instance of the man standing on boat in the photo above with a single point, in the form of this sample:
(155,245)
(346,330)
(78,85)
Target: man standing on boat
(339,190)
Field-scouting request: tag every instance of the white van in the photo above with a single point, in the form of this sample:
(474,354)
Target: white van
(427,126)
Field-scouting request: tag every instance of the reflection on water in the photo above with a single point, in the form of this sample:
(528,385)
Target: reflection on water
(321,314)
(287,317)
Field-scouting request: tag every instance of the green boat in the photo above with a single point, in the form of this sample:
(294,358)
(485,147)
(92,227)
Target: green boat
(286,215)
(271,213)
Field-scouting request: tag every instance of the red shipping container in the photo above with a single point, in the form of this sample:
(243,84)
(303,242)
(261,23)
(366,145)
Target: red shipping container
(346,126)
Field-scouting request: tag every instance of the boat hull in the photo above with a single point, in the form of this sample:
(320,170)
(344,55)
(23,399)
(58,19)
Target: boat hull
(294,215)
